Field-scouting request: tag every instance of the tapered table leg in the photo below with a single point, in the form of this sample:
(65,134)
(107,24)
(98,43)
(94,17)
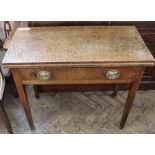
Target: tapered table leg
(5,119)
(115,91)
(36,92)
(132,92)
(23,97)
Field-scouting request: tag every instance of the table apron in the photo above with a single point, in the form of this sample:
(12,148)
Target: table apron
(80,75)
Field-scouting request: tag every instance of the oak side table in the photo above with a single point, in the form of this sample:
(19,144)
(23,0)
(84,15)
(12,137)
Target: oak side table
(77,55)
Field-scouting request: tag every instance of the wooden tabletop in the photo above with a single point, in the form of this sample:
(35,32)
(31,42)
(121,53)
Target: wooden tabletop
(104,45)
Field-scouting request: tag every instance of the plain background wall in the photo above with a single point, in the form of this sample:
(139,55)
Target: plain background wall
(2,35)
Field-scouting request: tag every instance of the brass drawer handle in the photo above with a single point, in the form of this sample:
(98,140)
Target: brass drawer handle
(43,75)
(112,74)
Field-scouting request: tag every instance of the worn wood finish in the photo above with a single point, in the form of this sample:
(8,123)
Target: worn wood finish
(77,55)
(145,28)
(5,119)
(78,75)
(64,45)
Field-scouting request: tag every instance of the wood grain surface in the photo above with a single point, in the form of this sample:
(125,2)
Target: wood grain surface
(78,45)
(145,28)
(91,75)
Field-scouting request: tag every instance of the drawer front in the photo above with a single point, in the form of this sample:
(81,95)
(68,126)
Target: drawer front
(79,75)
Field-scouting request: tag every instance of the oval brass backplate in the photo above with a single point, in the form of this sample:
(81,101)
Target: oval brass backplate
(112,74)
(43,75)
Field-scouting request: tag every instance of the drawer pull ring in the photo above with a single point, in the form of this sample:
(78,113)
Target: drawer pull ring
(43,75)
(112,74)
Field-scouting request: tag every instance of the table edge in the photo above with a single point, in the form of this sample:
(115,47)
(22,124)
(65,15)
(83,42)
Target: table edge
(69,64)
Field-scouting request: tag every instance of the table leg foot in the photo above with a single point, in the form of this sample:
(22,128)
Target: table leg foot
(123,120)
(132,92)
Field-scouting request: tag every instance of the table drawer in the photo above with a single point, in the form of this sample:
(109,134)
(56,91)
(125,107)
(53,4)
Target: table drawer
(79,75)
